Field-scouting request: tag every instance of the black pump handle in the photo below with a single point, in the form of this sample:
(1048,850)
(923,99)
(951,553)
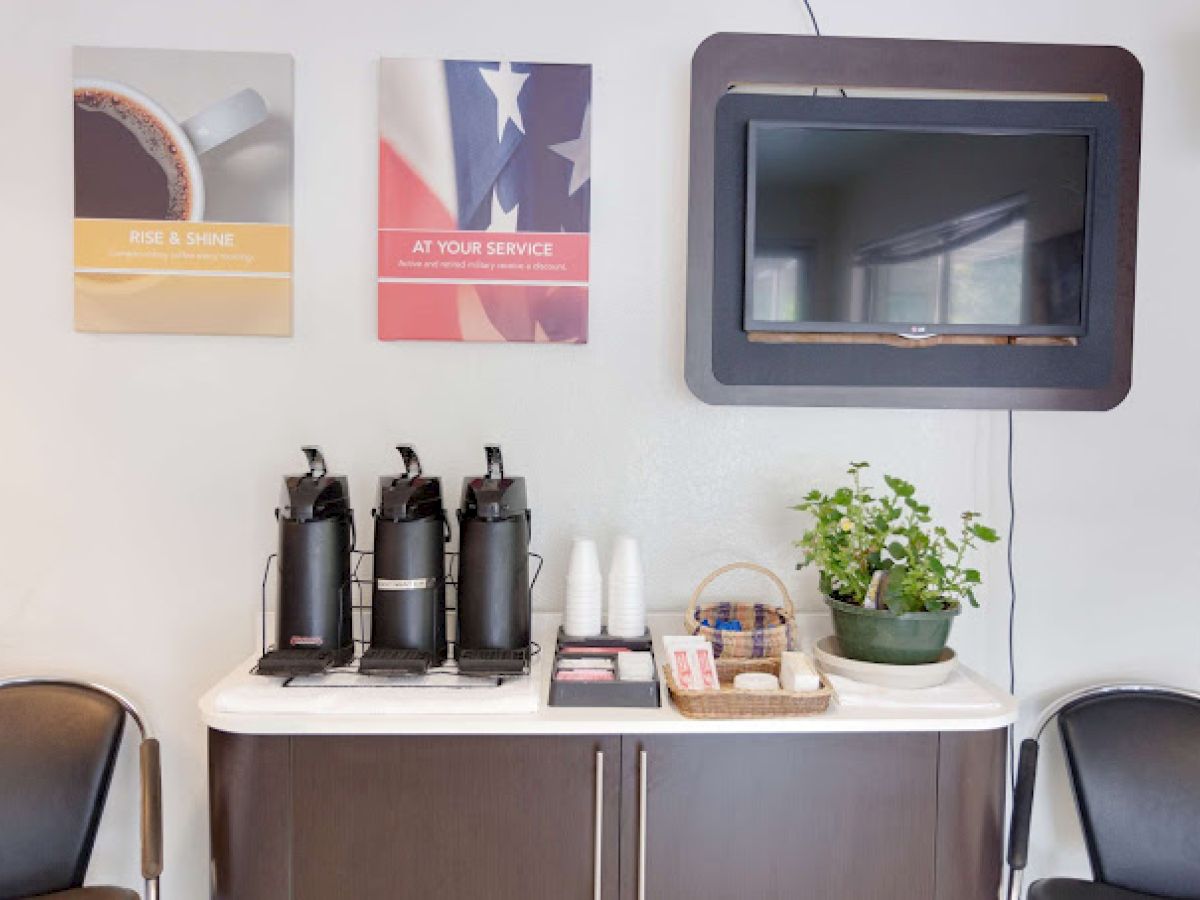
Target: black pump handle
(316,462)
(412,462)
(495,462)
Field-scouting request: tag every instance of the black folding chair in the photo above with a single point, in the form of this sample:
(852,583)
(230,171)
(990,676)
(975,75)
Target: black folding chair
(1133,753)
(59,741)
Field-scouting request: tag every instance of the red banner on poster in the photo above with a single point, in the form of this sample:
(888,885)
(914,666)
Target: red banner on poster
(473,256)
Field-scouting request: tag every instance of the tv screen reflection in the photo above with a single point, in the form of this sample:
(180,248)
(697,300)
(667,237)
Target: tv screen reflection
(854,229)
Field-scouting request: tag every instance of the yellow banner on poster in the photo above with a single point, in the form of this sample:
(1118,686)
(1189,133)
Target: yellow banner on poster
(167,247)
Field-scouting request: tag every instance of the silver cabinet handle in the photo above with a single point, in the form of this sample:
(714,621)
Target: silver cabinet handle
(598,849)
(643,768)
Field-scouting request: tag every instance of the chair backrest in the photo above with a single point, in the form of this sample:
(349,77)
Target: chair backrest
(58,745)
(1134,758)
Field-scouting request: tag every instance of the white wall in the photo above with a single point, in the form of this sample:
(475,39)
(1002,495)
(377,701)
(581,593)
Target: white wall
(139,473)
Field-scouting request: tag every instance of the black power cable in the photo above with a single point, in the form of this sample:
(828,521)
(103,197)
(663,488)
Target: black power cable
(812,17)
(1012,596)
(1012,580)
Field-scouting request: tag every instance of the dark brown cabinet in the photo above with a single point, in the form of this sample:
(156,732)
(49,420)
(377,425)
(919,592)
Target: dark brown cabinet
(507,818)
(878,816)
(382,818)
(784,816)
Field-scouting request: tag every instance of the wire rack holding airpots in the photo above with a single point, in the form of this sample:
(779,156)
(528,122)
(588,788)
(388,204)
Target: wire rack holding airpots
(320,591)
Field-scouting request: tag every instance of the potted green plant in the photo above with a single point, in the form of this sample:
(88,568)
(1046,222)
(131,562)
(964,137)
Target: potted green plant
(893,579)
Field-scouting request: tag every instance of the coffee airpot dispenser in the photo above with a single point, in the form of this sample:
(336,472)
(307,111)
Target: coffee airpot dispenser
(316,536)
(408,606)
(494,599)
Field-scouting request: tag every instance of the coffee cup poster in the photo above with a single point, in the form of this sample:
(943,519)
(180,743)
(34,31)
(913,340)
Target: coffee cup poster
(484,200)
(183,192)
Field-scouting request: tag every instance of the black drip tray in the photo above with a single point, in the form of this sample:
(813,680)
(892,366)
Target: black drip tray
(290,662)
(493,662)
(386,661)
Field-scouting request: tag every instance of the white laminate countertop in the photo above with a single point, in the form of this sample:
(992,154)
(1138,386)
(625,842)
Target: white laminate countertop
(472,718)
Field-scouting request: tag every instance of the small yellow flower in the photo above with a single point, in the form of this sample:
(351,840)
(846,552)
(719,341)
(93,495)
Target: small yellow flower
(845,524)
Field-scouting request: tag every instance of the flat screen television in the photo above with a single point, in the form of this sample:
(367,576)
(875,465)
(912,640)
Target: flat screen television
(916,230)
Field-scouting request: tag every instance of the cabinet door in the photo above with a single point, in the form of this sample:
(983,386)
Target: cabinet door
(780,817)
(457,818)
(971,801)
(250,825)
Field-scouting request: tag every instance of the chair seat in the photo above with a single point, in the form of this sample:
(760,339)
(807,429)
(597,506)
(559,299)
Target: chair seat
(90,893)
(1073,889)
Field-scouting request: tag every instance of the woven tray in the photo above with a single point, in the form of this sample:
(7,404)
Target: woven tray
(731,703)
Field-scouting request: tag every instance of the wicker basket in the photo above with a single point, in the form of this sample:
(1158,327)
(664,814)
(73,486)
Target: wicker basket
(767,630)
(731,703)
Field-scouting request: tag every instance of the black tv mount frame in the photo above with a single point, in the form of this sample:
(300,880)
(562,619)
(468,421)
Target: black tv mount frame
(726,365)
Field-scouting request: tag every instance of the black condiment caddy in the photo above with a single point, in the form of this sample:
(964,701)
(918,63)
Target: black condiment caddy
(603,693)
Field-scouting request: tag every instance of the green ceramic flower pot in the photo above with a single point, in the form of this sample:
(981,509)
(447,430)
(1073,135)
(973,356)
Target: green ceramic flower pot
(883,636)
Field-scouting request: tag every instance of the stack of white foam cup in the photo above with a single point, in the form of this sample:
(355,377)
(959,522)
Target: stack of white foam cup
(626,590)
(581,615)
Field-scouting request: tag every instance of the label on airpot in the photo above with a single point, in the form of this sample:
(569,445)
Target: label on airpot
(405,584)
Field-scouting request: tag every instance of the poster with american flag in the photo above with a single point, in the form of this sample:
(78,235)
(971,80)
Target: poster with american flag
(484,200)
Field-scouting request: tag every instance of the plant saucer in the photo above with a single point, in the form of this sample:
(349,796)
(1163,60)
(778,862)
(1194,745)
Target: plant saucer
(829,659)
